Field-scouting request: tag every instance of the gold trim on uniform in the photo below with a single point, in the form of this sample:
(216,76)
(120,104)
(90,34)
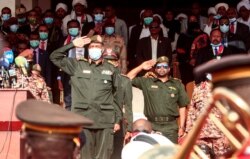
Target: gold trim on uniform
(231,74)
(51,130)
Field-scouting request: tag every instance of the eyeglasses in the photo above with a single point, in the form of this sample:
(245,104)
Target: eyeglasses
(158,66)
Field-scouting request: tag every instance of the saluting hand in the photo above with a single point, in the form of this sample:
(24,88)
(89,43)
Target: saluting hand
(81,41)
(116,127)
(147,65)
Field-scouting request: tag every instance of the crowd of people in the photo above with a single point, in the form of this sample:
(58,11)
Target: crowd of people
(98,58)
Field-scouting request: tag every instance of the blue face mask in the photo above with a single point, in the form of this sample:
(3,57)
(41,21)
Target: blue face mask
(232,20)
(14,28)
(5,17)
(98,17)
(43,35)
(148,20)
(73,31)
(34,43)
(48,20)
(215,45)
(109,30)
(224,28)
(21,20)
(95,53)
(218,16)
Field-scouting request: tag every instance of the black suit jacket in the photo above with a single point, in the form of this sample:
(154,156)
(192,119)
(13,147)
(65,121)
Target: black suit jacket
(206,54)
(144,49)
(242,33)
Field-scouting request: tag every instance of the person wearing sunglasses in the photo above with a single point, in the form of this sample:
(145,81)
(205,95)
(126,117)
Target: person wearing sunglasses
(165,98)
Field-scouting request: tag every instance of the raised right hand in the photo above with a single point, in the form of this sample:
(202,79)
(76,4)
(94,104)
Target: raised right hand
(81,41)
(147,65)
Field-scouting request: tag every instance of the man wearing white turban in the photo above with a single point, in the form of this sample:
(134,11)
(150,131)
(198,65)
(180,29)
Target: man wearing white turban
(61,10)
(243,8)
(78,13)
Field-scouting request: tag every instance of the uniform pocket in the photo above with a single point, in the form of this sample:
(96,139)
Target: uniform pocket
(108,114)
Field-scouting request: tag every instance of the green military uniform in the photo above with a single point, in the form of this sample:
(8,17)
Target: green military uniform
(162,102)
(116,42)
(93,89)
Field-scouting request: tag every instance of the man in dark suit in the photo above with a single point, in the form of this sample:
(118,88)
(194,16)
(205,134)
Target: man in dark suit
(139,31)
(41,57)
(240,30)
(213,51)
(33,23)
(153,46)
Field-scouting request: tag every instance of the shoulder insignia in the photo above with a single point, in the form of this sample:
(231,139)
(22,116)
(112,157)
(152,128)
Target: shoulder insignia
(114,63)
(177,79)
(82,59)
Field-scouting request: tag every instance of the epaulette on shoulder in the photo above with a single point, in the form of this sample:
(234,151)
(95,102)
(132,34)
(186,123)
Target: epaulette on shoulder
(112,63)
(124,76)
(177,79)
(82,59)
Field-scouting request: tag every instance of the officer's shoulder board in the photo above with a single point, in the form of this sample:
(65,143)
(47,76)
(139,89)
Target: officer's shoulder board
(82,59)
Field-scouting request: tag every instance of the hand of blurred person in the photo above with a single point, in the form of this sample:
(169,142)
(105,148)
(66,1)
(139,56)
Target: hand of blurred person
(81,41)
(116,128)
(28,54)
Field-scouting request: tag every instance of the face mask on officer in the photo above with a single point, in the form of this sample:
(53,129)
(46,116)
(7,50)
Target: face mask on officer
(21,20)
(95,53)
(5,17)
(148,20)
(98,17)
(34,43)
(109,30)
(48,20)
(14,28)
(73,32)
(224,28)
(43,35)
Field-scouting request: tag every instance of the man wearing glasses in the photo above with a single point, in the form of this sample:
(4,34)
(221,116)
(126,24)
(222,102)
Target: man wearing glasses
(165,98)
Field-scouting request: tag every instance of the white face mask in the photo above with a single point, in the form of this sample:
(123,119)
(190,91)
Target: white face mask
(95,53)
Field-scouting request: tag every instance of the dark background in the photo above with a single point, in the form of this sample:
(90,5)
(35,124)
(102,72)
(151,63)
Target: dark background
(129,9)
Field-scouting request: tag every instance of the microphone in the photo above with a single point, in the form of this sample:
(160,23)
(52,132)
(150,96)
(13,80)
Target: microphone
(9,55)
(12,75)
(4,64)
(22,63)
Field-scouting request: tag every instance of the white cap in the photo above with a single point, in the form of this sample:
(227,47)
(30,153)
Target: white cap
(82,2)
(157,15)
(184,16)
(217,6)
(244,3)
(135,149)
(62,5)
(211,10)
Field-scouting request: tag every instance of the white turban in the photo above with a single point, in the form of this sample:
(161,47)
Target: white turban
(142,11)
(82,2)
(242,3)
(217,6)
(184,16)
(157,15)
(211,10)
(63,6)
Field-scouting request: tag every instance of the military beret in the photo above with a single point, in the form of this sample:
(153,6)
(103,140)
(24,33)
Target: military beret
(162,59)
(96,39)
(20,10)
(110,54)
(37,67)
(228,68)
(49,118)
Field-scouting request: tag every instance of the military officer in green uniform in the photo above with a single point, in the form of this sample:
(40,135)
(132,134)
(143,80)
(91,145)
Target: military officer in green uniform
(165,98)
(124,96)
(94,83)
